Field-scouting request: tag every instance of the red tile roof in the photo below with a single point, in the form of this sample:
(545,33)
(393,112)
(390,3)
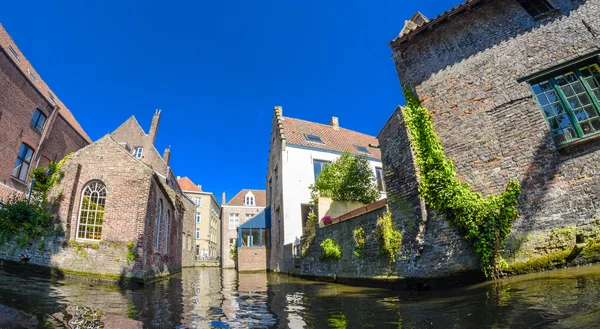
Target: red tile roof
(186,184)
(23,64)
(260,198)
(7,193)
(340,140)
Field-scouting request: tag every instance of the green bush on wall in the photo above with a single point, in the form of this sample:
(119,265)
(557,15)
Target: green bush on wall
(359,239)
(388,237)
(330,249)
(486,222)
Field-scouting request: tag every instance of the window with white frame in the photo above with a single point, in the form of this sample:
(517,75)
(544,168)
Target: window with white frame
(234,221)
(197,233)
(380,181)
(138,151)
(198,217)
(23,162)
(91,212)
(197,201)
(158,223)
(249,199)
(248,216)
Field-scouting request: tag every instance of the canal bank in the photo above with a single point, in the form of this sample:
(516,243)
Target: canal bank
(215,298)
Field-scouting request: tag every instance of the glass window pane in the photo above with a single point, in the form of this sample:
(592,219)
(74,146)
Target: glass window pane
(245,237)
(256,237)
(23,173)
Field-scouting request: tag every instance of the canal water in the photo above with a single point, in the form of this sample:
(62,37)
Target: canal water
(214,298)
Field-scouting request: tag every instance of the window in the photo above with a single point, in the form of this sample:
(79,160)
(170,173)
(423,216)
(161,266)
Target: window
(38,120)
(197,233)
(248,216)
(158,222)
(380,181)
(197,250)
(246,237)
(167,230)
(536,8)
(197,201)
(198,217)
(249,199)
(313,138)
(32,76)
(137,152)
(569,102)
(12,50)
(362,149)
(91,211)
(234,221)
(23,162)
(231,243)
(318,166)
(52,98)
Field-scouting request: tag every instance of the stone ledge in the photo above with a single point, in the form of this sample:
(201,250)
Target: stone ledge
(362,210)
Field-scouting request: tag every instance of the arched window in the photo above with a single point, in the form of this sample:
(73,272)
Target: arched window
(158,221)
(249,199)
(167,231)
(91,211)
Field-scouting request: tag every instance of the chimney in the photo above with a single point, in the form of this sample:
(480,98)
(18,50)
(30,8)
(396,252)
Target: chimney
(335,123)
(167,155)
(200,187)
(154,126)
(223,199)
(178,177)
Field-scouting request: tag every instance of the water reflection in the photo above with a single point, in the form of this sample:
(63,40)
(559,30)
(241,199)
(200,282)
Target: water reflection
(214,298)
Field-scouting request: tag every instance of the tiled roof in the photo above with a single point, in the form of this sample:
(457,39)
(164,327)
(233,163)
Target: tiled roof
(340,140)
(39,84)
(7,193)
(260,198)
(411,30)
(186,184)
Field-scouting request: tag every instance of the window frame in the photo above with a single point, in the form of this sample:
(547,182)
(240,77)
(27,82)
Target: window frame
(198,217)
(83,191)
(541,14)
(158,223)
(314,137)
(237,216)
(35,122)
(23,160)
(323,164)
(167,222)
(360,149)
(379,179)
(138,152)
(563,99)
(198,233)
(14,52)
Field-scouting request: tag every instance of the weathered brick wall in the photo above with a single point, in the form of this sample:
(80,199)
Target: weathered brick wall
(187,236)
(274,176)
(62,139)
(231,233)
(466,72)
(252,259)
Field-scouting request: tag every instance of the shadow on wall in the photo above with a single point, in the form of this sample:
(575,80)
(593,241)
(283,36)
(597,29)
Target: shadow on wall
(498,20)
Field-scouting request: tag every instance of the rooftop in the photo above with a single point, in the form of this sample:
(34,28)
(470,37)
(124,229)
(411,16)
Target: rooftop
(260,197)
(8,45)
(187,185)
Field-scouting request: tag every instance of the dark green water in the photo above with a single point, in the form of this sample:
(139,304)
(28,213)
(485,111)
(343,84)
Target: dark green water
(211,298)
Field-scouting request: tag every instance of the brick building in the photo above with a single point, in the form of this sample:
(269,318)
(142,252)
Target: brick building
(35,126)
(299,150)
(514,91)
(241,208)
(207,220)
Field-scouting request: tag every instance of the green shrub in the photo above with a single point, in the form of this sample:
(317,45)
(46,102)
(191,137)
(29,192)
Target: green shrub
(23,220)
(486,222)
(349,178)
(130,256)
(359,239)
(233,252)
(388,237)
(330,249)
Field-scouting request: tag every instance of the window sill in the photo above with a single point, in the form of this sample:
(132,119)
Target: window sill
(39,132)
(541,17)
(18,180)
(591,138)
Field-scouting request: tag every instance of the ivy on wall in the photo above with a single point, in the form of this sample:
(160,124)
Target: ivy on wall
(388,237)
(486,222)
(330,249)
(359,239)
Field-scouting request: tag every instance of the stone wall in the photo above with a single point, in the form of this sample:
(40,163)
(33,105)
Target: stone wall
(278,257)
(470,72)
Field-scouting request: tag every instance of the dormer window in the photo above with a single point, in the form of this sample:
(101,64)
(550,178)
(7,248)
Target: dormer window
(362,149)
(137,152)
(249,199)
(536,8)
(313,138)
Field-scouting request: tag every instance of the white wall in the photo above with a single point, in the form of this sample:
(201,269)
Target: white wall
(298,174)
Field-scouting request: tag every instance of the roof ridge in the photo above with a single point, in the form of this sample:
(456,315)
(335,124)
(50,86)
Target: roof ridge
(327,125)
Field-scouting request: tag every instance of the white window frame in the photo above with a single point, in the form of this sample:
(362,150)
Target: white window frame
(138,151)
(87,186)
(235,217)
(198,217)
(197,233)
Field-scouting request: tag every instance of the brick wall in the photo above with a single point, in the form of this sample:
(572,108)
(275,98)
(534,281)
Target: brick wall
(252,259)
(276,261)
(61,140)
(467,73)
(231,233)
(187,238)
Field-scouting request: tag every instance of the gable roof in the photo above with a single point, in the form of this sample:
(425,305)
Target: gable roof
(24,65)
(187,185)
(419,22)
(338,140)
(260,198)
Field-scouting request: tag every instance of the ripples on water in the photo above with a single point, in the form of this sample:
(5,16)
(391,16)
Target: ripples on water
(214,298)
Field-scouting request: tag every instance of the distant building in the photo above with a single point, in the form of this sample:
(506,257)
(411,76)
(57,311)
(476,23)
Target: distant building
(35,126)
(299,150)
(245,205)
(207,219)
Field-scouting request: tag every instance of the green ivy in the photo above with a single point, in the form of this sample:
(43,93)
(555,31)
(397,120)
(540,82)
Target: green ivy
(330,249)
(359,239)
(131,256)
(46,177)
(486,222)
(233,252)
(388,237)
(349,178)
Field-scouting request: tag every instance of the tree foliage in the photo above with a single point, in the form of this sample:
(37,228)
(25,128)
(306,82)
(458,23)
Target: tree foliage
(486,222)
(349,178)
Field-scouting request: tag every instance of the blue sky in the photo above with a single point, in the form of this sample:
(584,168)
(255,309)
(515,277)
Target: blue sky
(216,69)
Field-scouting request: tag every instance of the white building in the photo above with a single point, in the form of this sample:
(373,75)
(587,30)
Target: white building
(299,150)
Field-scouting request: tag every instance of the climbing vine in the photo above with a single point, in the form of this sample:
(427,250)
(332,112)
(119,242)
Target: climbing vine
(330,249)
(359,239)
(131,255)
(388,237)
(486,222)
